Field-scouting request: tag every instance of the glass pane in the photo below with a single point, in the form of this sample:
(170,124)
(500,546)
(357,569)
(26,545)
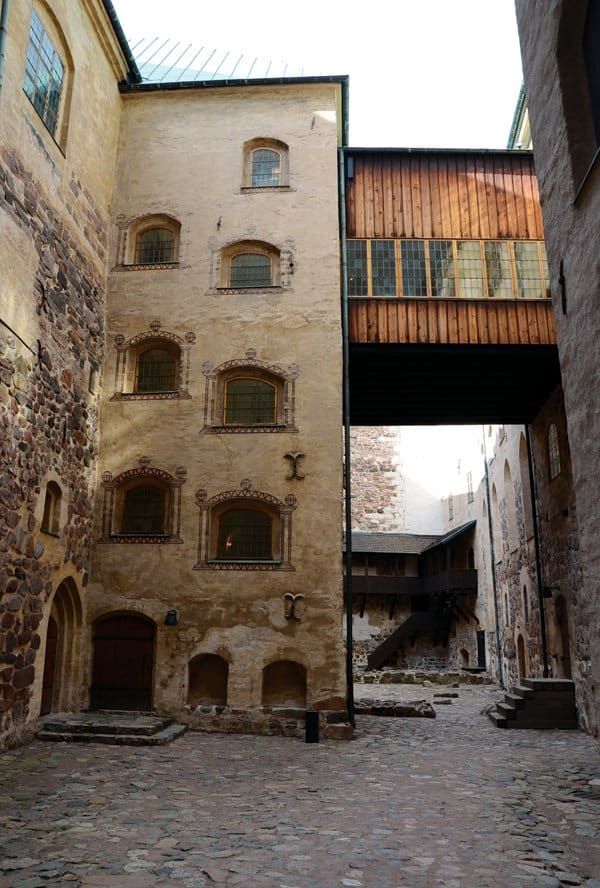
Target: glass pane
(470,269)
(528,270)
(414,272)
(266,168)
(143,510)
(250,270)
(249,402)
(383,266)
(497,265)
(441,266)
(358,283)
(44,74)
(154,245)
(244,534)
(545,272)
(155,371)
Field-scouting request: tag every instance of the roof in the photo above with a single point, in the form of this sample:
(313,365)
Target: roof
(403,543)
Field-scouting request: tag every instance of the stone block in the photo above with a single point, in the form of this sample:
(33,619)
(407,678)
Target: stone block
(338,732)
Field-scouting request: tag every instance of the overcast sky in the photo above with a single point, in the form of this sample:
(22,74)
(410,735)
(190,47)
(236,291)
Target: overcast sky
(423,73)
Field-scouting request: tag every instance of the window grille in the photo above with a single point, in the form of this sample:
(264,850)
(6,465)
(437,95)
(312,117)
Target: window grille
(266,168)
(156,371)
(250,402)
(447,269)
(244,534)
(250,270)
(143,510)
(44,74)
(154,246)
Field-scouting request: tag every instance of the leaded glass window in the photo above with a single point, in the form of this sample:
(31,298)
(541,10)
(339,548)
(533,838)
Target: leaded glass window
(358,278)
(414,268)
(250,401)
(244,534)
(44,74)
(529,281)
(156,371)
(498,269)
(470,269)
(442,269)
(383,267)
(155,245)
(143,510)
(250,270)
(266,168)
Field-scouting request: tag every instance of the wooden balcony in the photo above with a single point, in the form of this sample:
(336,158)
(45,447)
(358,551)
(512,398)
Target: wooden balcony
(455,581)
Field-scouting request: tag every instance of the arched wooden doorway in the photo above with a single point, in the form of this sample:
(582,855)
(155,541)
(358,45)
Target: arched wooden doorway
(62,665)
(562,625)
(123,662)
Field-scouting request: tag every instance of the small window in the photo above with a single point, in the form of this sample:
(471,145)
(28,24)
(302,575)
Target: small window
(250,270)
(155,246)
(553,452)
(266,168)
(358,275)
(144,510)
(245,534)
(44,74)
(441,261)
(156,370)
(52,501)
(470,496)
(414,269)
(250,401)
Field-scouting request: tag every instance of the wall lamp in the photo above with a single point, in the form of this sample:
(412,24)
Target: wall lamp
(171,618)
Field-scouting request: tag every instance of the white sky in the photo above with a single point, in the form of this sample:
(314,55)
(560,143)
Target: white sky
(423,73)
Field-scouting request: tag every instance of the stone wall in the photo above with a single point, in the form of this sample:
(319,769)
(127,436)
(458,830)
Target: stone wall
(376,478)
(565,143)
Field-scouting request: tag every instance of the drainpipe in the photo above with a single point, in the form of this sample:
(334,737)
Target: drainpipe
(536,546)
(3,26)
(493,560)
(346,415)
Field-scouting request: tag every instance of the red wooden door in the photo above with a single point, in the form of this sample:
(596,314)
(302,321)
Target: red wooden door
(123,663)
(49,666)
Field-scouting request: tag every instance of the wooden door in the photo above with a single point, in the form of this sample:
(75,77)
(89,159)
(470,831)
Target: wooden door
(123,663)
(49,666)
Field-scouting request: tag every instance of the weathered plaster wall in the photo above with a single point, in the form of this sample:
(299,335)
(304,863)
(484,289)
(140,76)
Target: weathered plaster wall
(564,145)
(181,154)
(53,224)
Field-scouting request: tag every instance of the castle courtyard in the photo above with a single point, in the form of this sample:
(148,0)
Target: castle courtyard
(450,802)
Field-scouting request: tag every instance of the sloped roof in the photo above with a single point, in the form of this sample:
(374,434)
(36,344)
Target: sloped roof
(403,543)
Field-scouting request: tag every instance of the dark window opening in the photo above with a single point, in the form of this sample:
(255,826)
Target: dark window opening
(156,371)
(250,402)
(250,270)
(143,511)
(266,168)
(244,534)
(155,245)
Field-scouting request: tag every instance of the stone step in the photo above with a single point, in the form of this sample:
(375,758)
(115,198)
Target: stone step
(522,691)
(549,684)
(160,738)
(497,719)
(515,700)
(506,710)
(130,723)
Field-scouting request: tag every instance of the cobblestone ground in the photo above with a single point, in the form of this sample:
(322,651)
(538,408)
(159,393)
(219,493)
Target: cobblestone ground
(422,803)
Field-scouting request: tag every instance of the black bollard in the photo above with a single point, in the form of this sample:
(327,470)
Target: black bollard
(311,725)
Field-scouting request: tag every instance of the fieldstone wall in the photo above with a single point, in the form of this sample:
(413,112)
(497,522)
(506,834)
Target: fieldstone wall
(48,421)
(377,483)
(564,142)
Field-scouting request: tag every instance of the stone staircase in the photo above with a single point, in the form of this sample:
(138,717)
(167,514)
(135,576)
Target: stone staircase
(541,703)
(116,728)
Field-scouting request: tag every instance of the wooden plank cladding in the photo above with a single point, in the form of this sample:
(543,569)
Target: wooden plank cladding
(452,321)
(471,195)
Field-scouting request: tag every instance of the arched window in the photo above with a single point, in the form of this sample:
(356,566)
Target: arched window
(52,502)
(284,684)
(553,452)
(265,164)
(156,369)
(245,533)
(250,401)
(154,245)
(142,505)
(144,510)
(250,270)
(244,530)
(48,68)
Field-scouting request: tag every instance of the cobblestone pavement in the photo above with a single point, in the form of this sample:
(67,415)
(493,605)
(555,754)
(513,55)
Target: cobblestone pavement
(450,802)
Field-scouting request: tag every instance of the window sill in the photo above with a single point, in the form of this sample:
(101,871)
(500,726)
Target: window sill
(150,396)
(51,533)
(271,288)
(259,189)
(147,266)
(249,429)
(159,538)
(247,565)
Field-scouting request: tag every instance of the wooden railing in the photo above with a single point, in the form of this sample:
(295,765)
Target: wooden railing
(457,581)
